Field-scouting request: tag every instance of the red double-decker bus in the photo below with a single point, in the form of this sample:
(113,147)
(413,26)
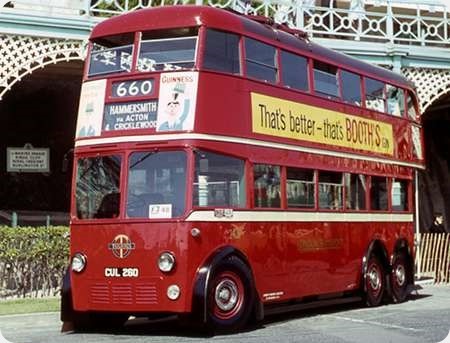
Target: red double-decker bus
(227,167)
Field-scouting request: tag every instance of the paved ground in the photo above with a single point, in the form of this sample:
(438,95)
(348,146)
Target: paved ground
(424,318)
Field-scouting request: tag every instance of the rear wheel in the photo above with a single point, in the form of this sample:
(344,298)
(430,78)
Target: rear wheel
(230,295)
(399,278)
(375,281)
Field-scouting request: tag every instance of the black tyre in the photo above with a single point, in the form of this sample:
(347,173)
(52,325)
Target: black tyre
(374,281)
(399,278)
(230,295)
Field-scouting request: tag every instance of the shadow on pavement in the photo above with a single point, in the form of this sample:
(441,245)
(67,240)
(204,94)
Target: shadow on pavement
(171,326)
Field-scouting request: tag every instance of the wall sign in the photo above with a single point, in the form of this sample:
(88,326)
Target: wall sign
(28,160)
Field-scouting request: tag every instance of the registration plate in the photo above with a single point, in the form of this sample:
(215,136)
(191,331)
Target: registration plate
(121,272)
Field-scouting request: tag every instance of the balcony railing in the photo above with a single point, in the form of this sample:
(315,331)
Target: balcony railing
(399,22)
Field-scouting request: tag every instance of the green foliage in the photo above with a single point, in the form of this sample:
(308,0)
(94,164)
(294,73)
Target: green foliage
(32,260)
(28,305)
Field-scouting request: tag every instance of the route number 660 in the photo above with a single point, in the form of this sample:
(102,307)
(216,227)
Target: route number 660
(132,88)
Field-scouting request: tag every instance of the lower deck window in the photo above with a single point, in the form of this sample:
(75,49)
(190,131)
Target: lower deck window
(399,195)
(266,185)
(355,190)
(219,180)
(378,193)
(300,188)
(330,190)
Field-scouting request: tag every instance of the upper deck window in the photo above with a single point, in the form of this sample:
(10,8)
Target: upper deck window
(294,71)
(412,113)
(351,87)
(167,50)
(375,98)
(325,79)
(111,54)
(395,101)
(260,60)
(222,52)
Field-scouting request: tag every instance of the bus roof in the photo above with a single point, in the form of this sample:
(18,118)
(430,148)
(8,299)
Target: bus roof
(167,17)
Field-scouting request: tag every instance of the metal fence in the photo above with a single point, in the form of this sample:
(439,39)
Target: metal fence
(33,218)
(433,257)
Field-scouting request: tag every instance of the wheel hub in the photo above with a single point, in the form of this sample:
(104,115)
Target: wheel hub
(374,279)
(226,295)
(400,275)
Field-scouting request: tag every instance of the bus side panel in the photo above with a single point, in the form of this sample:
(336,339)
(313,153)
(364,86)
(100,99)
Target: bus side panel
(294,260)
(229,99)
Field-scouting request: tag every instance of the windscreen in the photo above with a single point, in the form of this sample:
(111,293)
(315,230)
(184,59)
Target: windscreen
(97,187)
(156,184)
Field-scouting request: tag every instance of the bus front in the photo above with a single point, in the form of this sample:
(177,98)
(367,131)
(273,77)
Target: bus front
(130,195)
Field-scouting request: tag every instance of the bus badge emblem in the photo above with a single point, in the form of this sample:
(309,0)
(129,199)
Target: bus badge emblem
(121,246)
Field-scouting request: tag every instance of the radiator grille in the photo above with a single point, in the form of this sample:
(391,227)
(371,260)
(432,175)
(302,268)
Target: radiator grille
(124,294)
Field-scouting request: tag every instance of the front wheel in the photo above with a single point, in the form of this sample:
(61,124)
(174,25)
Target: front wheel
(374,280)
(230,295)
(399,278)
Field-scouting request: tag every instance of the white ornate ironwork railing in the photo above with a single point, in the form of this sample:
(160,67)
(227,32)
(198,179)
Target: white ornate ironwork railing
(418,22)
(397,22)
(417,25)
(21,55)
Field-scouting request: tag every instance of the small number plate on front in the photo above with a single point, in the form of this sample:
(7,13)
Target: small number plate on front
(121,272)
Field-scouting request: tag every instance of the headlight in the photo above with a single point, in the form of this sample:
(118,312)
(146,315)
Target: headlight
(173,292)
(78,262)
(166,262)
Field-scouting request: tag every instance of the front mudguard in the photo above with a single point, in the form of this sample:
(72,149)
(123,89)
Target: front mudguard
(67,313)
(200,293)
